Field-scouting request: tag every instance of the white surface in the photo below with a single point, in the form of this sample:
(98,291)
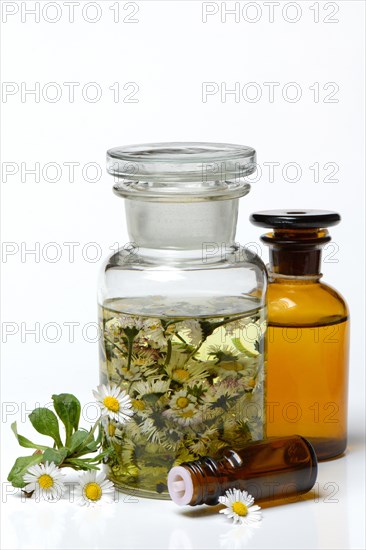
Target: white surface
(169,54)
(331,516)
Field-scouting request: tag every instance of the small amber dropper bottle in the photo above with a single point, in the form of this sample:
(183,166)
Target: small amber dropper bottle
(308,333)
(269,470)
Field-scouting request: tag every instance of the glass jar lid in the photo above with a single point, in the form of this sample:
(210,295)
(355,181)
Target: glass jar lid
(181,171)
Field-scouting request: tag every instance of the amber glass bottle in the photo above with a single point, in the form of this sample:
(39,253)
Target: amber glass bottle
(269,470)
(308,336)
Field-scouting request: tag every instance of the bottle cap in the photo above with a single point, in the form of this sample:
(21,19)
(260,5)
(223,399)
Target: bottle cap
(295,219)
(180,485)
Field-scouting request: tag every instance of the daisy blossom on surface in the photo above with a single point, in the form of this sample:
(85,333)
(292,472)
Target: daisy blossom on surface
(45,481)
(239,507)
(94,488)
(114,403)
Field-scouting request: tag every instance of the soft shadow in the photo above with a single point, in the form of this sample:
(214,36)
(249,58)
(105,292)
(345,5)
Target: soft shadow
(289,500)
(356,442)
(204,510)
(200,511)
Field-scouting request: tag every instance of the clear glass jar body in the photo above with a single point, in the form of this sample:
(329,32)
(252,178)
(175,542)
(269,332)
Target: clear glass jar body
(182,314)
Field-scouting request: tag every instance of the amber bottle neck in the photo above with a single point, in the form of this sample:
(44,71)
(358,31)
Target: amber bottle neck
(210,478)
(296,252)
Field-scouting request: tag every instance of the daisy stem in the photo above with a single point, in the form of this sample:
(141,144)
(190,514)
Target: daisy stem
(181,338)
(168,353)
(130,348)
(115,345)
(195,350)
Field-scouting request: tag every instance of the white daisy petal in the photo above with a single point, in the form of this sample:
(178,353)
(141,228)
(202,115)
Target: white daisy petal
(255,510)
(193,329)
(100,477)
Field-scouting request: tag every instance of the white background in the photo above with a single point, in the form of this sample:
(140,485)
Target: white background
(168,55)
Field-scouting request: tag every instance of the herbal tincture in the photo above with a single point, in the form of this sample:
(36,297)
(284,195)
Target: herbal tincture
(308,333)
(182,312)
(268,470)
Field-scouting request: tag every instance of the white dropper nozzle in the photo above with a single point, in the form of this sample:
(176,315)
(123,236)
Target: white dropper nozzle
(180,485)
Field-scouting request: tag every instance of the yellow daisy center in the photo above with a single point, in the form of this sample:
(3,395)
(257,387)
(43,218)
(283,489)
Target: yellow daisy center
(139,361)
(111,403)
(187,414)
(231,365)
(240,508)
(138,404)
(181,375)
(93,491)
(182,402)
(111,430)
(45,481)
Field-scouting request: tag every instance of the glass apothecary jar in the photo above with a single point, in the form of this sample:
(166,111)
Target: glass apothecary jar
(182,312)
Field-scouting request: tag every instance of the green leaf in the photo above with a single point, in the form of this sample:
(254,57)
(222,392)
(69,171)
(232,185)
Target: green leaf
(207,328)
(68,408)
(100,436)
(92,446)
(240,347)
(77,439)
(99,457)
(54,455)
(80,464)
(87,443)
(46,423)
(24,442)
(20,468)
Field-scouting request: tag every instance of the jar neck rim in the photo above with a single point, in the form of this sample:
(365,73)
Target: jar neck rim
(302,279)
(159,225)
(296,254)
(188,192)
